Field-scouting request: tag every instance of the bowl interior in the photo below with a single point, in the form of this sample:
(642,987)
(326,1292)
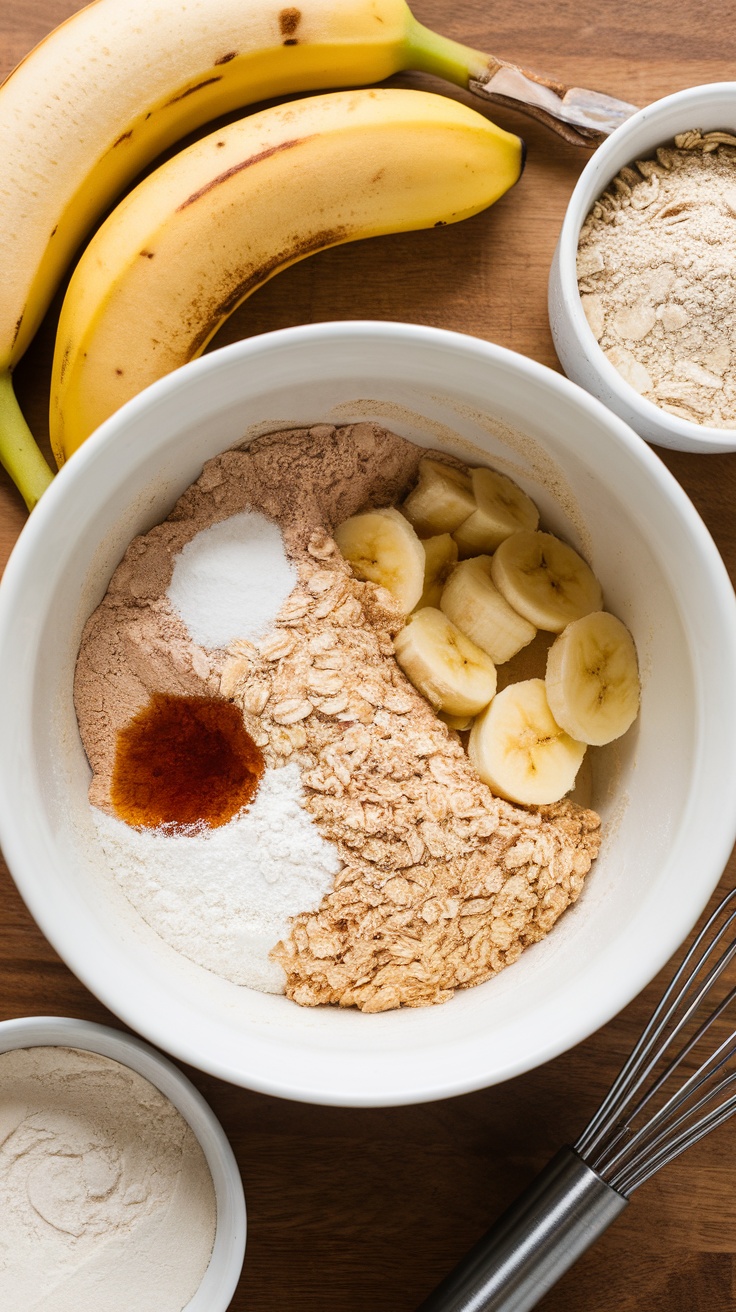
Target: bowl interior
(709,108)
(666,833)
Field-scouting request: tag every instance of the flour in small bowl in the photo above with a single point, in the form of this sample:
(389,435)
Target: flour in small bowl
(106,1198)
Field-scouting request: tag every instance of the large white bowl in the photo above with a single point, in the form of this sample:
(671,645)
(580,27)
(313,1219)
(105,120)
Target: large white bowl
(662,791)
(709,108)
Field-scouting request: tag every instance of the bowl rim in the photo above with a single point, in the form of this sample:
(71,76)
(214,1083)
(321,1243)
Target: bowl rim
(593,180)
(451,1077)
(220,1280)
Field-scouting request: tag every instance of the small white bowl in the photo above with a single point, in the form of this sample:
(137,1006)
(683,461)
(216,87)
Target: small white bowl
(660,789)
(709,108)
(223,1272)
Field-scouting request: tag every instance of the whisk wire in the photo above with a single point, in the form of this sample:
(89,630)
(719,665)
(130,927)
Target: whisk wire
(660,1132)
(608,1158)
(627,1183)
(639,1067)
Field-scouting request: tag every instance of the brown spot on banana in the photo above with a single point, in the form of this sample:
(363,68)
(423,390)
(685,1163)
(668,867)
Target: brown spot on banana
(191,90)
(238,168)
(225,59)
(289,20)
(124,136)
(301,247)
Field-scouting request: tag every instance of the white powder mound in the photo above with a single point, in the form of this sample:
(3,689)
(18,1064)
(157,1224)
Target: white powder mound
(224,897)
(106,1199)
(231,580)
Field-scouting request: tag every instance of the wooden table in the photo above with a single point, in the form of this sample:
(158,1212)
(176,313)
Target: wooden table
(358,1211)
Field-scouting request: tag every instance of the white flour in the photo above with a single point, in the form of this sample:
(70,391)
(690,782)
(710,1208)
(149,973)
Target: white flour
(106,1199)
(231,580)
(224,897)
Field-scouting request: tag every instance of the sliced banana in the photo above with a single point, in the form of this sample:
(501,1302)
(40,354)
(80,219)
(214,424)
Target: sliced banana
(448,669)
(383,548)
(440,559)
(519,749)
(458,722)
(545,580)
(593,679)
(441,500)
(503,509)
(473,602)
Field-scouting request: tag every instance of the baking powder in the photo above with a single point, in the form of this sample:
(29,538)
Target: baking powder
(231,580)
(106,1199)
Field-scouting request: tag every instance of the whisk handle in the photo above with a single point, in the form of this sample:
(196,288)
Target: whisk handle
(541,1235)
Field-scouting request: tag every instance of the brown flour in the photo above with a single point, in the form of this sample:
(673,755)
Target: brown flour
(443,884)
(657,277)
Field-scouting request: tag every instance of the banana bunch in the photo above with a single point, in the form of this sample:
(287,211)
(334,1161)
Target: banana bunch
(118,83)
(207,228)
(466,614)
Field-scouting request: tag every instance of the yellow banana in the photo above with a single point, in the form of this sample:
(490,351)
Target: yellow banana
(208,227)
(119,82)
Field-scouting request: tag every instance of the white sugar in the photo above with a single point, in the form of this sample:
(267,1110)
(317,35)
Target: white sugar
(224,897)
(231,580)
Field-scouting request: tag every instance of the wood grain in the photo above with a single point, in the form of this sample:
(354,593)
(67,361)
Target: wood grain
(363,1211)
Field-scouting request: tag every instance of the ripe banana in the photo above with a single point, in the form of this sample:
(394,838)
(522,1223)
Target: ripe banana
(473,602)
(503,508)
(442,499)
(117,83)
(592,679)
(440,558)
(207,228)
(545,580)
(520,751)
(383,548)
(447,668)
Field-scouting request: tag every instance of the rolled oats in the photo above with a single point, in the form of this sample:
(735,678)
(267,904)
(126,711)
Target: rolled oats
(443,884)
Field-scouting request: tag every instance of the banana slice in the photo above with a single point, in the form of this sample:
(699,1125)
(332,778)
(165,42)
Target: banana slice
(593,679)
(472,601)
(448,669)
(441,500)
(440,559)
(520,751)
(503,509)
(545,580)
(383,548)
(458,722)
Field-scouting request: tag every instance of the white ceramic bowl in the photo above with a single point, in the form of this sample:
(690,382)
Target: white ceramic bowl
(223,1272)
(706,107)
(660,790)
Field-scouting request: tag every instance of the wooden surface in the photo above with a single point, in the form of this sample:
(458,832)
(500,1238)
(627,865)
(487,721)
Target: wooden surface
(363,1211)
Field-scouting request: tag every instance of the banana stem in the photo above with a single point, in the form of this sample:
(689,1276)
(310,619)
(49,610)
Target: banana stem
(429,52)
(18,450)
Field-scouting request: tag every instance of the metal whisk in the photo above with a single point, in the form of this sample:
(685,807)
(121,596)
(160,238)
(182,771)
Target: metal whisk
(656,1108)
